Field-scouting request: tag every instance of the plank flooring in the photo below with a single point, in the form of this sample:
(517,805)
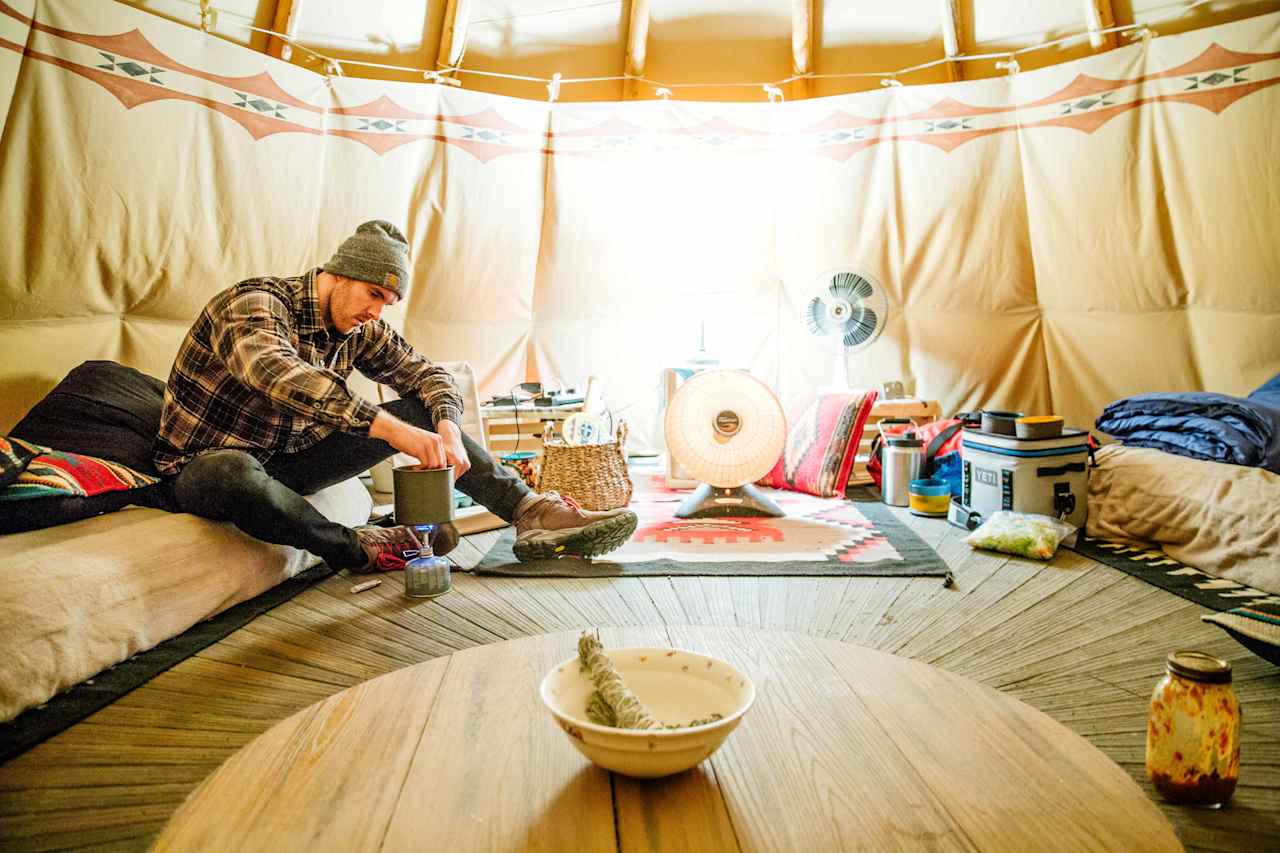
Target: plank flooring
(1080,641)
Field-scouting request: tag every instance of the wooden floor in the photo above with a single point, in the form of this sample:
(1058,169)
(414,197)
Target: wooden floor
(1081,641)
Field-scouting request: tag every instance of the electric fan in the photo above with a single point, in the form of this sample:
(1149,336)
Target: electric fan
(727,430)
(853,310)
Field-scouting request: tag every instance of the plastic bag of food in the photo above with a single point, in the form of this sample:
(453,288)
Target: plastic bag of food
(1021,533)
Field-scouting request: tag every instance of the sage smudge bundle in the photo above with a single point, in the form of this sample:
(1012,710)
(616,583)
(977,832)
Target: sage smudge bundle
(613,704)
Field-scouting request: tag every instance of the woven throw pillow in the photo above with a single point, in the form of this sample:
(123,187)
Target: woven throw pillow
(58,487)
(821,444)
(15,455)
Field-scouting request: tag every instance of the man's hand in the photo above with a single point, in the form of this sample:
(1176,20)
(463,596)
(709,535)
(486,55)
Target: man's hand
(426,447)
(432,450)
(454,449)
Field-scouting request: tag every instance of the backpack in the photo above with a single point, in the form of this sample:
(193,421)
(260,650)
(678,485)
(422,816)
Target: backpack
(941,451)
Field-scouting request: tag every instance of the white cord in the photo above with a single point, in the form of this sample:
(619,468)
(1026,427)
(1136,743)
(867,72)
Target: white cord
(1136,30)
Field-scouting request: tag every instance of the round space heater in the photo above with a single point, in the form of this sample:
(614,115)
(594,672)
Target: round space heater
(726,429)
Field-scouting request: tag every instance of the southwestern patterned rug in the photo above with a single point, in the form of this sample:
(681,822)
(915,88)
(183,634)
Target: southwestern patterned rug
(818,536)
(1250,615)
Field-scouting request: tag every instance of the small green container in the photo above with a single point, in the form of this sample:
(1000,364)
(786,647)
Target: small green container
(423,495)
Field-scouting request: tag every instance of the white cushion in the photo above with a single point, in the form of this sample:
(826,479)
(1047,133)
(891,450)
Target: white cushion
(78,598)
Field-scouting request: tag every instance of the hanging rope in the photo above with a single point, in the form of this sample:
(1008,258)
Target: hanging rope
(437,77)
(1005,60)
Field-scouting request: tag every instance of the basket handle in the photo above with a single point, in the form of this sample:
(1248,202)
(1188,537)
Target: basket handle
(620,435)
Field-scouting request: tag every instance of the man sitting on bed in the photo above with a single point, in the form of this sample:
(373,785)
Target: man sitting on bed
(257,413)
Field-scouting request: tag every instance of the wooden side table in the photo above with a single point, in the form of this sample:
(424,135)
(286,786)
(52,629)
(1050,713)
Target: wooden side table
(507,430)
(845,748)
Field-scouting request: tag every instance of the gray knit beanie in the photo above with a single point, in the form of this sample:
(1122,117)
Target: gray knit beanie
(377,253)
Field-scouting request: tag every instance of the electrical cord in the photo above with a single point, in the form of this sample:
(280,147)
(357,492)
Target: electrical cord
(531,388)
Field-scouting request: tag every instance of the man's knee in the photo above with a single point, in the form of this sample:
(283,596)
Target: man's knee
(412,410)
(209,484)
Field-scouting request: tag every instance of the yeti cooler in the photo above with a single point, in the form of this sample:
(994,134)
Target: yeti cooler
(1047,476)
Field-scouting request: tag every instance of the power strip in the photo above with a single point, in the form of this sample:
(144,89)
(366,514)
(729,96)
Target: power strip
(559,398)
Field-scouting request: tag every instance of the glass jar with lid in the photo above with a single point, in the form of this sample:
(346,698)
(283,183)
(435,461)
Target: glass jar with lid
(1193,731)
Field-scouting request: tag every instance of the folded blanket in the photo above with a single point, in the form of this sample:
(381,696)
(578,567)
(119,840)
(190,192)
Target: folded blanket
(1202,425)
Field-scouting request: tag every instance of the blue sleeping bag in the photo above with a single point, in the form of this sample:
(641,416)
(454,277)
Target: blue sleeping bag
(1239,430)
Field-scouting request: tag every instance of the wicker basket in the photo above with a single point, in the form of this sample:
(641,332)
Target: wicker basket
(594,475)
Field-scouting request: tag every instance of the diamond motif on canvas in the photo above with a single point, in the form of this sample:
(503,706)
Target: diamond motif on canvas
(1085,104)
(948,124)
(1217,78)
(382,124)
(266,107)
(131,68)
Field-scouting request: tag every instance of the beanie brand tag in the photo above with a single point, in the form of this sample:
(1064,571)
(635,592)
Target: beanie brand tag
(392,281)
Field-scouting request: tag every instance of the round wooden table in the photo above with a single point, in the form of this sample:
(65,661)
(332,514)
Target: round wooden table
(845,747)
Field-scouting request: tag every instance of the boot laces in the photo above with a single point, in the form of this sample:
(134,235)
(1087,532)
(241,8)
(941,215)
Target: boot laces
(391,547)
(564,499)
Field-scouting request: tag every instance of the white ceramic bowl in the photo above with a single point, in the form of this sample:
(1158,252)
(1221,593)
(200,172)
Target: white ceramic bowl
(676,686)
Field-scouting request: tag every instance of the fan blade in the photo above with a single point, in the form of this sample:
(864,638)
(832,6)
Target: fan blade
(850,287)
(860,328)
(815,317)
(862,287)
(842,286)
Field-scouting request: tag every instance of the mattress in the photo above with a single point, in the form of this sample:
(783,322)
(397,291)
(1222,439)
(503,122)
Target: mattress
(78,598)
(1222,519)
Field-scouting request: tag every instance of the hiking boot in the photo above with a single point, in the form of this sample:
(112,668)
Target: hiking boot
(388,548)
(550,526)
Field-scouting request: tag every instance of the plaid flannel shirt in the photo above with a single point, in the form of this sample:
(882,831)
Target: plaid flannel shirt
(260,372)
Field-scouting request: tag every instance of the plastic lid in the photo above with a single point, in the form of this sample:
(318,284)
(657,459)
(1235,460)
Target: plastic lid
(1199,666)
(929,487)
(1041,419)
(905,442)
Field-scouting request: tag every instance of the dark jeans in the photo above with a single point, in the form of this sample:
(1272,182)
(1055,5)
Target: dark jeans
(265,500)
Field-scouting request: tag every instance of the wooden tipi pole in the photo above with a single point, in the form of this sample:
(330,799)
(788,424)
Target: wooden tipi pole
(285,22)
(951,34)
(1098,16)
(801,47)
(453,36)
(637,45)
